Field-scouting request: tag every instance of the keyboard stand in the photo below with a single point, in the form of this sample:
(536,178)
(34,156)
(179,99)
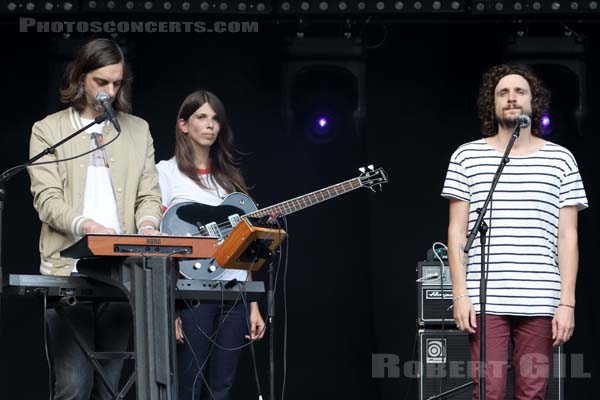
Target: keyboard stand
(149,284)
(94,356)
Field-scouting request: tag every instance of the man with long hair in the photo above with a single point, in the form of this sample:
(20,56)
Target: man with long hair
(112,190)
(532,248)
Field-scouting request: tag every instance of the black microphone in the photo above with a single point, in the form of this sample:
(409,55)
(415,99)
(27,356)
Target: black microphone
(104,99)
(524,121)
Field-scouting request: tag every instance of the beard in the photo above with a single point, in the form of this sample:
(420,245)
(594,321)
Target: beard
(510,122)
(507,123)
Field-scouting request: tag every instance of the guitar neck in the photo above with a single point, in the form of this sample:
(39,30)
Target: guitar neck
(310,199)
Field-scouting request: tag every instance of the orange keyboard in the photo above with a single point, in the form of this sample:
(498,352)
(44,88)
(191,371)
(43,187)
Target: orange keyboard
(95,245)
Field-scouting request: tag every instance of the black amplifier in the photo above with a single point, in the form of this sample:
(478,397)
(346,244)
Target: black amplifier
(444,364)
(434,294)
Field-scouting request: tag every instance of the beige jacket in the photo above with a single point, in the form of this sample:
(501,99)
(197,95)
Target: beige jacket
(58,188)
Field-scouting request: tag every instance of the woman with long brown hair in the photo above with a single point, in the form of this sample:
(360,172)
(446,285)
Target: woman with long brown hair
(205,170)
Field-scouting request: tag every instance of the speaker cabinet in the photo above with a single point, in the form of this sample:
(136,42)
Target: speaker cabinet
(434,294)
(444,359)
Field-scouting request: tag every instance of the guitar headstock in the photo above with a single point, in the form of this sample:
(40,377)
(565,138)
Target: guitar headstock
(372,178)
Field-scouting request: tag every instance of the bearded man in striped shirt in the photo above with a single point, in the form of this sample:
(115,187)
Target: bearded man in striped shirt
(532,237)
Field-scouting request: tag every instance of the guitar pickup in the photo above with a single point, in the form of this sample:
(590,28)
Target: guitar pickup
(234,220)
(213,230)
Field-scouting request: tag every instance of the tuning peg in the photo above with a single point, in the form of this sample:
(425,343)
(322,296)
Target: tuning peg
(362,170)
(371,167)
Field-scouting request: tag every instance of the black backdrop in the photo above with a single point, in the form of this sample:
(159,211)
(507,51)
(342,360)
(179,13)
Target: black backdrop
(351,289)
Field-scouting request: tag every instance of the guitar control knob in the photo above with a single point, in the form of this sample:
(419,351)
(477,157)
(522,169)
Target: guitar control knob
(197,265)
(212,268)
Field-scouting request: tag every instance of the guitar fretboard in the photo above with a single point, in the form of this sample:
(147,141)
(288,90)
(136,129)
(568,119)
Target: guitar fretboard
(302,202)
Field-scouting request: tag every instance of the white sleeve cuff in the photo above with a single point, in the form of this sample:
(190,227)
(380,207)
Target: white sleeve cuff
(149,218)
(76,226)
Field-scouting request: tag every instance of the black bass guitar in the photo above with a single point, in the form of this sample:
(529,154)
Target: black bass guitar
(195,219)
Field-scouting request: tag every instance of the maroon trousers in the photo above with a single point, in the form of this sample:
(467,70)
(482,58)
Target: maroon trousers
(531,339)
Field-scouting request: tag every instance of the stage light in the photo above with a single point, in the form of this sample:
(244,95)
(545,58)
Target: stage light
(546,124)
(528,7)
(320,129)
(341,7)
(147,6)
(324,97)
(299,7)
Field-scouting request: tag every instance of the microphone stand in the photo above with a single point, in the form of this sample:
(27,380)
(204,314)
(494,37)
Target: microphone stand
(481,227)
(8,174)
(271,322)
(2,198)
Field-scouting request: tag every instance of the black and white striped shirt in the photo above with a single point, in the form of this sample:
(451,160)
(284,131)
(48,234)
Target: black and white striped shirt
(523,232)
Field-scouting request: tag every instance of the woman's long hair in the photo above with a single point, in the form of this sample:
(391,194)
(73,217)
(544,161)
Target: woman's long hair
(224,158)
(486,105)
(95,54)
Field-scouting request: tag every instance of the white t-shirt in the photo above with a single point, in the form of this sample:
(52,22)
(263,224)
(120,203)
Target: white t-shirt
(524,278)
(177,187)
(99,201)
